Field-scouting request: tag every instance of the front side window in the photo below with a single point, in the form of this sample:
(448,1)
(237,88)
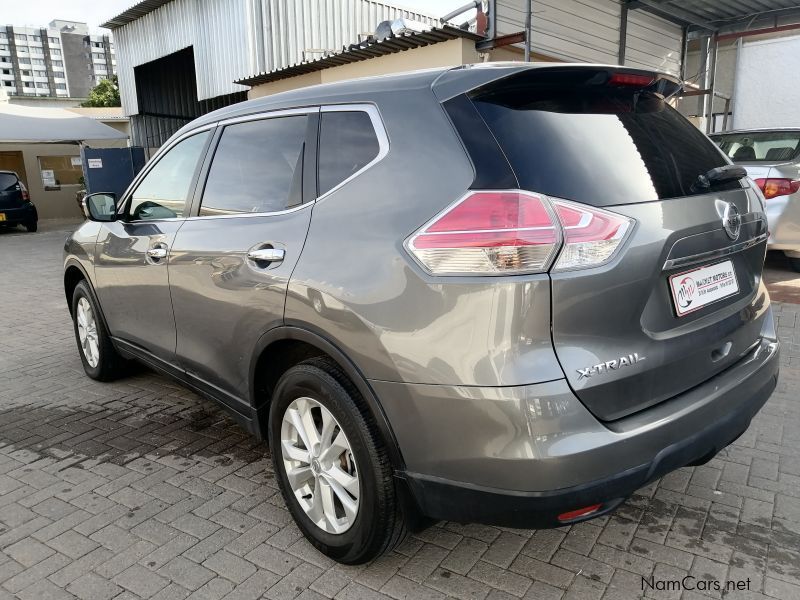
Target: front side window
(257,167)
(163,192)
(347,144)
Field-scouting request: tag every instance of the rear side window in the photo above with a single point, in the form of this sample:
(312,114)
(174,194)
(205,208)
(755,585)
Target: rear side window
(8,182)
(567,136)
(766,146)
(347,144)
(257,167)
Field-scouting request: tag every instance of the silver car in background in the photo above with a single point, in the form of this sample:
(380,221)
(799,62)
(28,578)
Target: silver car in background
(772,159)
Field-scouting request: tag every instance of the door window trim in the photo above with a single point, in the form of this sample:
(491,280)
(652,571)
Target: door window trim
(193,214)
(134,185)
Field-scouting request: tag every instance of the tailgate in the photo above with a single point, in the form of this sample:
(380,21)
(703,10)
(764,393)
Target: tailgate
(627,340)
(682,299)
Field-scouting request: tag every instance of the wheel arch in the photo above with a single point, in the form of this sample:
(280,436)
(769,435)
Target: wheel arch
(74,273)
(292,344)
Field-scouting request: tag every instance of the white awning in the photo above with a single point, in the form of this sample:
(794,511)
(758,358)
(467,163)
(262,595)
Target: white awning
(24,124)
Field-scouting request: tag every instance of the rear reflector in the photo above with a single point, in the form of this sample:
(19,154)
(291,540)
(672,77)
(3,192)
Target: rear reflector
(512,232)
(773,187)
(581,512)
(632,79)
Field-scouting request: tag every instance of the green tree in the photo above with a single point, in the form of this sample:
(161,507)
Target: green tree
(105,93)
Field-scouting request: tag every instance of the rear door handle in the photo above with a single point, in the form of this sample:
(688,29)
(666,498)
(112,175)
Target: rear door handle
(267,255)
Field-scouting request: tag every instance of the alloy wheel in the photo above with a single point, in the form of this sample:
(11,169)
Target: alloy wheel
(319,465)
(87,332)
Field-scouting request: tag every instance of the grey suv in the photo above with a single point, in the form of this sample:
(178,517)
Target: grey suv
(509,294)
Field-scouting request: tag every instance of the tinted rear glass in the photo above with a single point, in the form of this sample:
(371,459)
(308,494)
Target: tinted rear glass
(765,146)
(8,182)
(566,136)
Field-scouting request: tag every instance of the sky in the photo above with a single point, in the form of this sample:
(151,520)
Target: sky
(40,12)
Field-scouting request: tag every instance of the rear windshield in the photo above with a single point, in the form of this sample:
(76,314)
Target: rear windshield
(7,182)
(566,136)
(766,146)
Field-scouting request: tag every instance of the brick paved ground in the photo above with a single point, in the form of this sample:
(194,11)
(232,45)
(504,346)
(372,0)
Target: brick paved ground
(139,489)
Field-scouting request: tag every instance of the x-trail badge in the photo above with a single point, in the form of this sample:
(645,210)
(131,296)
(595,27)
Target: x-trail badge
(610,365)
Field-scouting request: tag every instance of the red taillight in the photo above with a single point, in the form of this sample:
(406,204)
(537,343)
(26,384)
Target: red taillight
(773,187)
(633,79)
(581,512)
(591,235)
(511,231)
(489,232)
(25,195)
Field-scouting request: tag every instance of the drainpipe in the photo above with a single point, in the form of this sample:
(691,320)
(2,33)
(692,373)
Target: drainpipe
(528,19)
(623,34)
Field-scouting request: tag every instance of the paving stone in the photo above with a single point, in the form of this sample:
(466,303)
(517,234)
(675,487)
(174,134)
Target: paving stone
(139,489)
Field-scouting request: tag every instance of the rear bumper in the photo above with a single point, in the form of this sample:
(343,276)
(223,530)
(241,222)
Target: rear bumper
(536,452)
(24,214)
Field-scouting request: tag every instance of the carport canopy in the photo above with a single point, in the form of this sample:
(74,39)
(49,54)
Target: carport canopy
(722,16)
(24,124)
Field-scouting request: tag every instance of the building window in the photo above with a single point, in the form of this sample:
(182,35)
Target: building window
(8,83)
(53,40)
(6,71)
(58,63)
(23,60)
(37,61)
(55,51)
(61,86)
(20,37)
(59,170)
(36,38)
(42,85)
(40,73)
(25,73)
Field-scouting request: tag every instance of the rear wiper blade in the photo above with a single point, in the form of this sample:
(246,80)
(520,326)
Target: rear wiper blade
(719,175)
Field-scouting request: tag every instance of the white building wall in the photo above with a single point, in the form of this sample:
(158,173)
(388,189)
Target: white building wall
(763,65)
(588,31)
(236,38)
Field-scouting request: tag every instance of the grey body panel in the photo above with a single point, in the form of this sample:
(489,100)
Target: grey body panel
(133,289)
(626,307)
(223,301)
(393,320)
(541,437)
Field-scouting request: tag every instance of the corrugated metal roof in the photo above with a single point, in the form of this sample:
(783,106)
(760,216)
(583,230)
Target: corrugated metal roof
(714,13)
(364,51)
(134,12)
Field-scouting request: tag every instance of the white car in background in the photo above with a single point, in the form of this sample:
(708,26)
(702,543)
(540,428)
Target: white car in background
(772,159)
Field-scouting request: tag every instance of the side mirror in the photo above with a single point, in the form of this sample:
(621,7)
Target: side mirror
(100,207)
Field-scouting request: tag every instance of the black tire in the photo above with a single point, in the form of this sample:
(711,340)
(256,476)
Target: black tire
(32,226)
(110,364)
(380,523)
(794,263)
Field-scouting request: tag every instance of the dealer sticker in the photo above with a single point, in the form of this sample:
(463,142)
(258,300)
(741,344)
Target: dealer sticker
(698,288)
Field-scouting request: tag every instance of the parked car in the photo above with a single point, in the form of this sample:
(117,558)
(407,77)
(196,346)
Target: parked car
(510,294)
(772,159)
(16,207)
